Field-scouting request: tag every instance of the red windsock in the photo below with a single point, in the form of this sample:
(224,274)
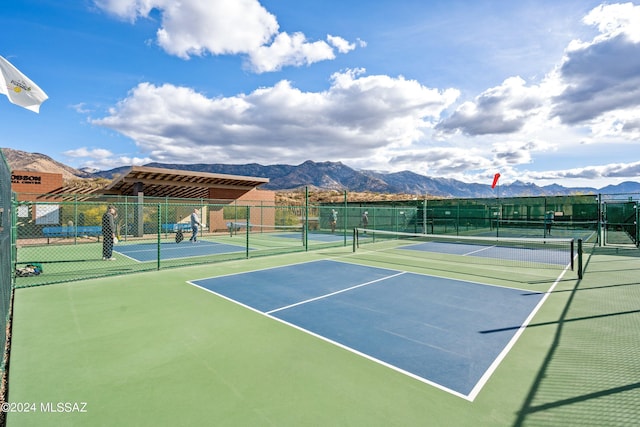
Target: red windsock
(495,180)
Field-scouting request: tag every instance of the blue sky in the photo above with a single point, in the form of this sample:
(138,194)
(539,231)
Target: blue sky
(542,91)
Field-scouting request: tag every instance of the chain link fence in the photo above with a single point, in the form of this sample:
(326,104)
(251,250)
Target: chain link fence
(620,218)
(61,240)
(6,278)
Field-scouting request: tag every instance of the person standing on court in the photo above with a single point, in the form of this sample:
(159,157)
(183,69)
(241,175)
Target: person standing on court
(334,220)
(108,233)
(365,219)
(195,223)
(548,222)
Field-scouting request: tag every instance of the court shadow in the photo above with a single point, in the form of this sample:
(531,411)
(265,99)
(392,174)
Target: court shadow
(589,350)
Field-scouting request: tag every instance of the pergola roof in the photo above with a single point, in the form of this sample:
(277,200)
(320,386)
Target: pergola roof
(159,182)
(70,193)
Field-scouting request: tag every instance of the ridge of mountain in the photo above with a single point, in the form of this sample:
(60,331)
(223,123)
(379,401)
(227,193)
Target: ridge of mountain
(37,162)
(326,176)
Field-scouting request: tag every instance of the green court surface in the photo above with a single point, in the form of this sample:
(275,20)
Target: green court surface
(148,349)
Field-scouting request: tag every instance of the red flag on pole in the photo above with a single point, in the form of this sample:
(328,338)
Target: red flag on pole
(495,180)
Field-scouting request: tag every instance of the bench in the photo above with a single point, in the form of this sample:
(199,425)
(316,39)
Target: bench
(73,231)
(173,227)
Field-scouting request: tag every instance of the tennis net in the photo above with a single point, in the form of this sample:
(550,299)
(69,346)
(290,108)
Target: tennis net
(243,227)
(526,252)
(269,237)
(585,230)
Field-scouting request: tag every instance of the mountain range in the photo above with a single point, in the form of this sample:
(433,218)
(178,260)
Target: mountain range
(327,176)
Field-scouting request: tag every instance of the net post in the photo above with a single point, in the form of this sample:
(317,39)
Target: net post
(355,239)
(572,253)
(579,258)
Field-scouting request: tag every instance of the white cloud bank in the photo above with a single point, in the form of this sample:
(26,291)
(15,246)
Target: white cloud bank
(378,121)
(358,116)
(222,27)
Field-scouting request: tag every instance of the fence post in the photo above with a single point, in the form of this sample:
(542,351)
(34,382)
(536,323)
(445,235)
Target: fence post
(305,226)
(248,227)
(159,230)
(344,216)
(75,219)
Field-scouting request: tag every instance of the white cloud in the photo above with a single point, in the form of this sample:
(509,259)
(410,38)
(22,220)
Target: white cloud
(288,50)
(341,44)
(613,20)
(382,122)
(592,96)
(355,117)
(126,9)
(81,108)
(442,161)
(613,170)
(102,159)
(601,76)
(503,109)
(95,153)
(220,27)
(597,85)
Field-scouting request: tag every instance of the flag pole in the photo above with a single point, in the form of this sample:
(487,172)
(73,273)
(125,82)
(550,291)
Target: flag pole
(499,213)
(496,178)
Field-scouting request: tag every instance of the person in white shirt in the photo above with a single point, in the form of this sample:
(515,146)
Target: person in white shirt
(195,223)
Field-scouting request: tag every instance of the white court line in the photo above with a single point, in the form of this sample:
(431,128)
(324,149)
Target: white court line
(479,384)
(479,250)
(496,362)
(335,293)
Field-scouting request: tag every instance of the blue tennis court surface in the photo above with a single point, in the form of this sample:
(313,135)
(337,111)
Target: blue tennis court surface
(170,250)
(445,332)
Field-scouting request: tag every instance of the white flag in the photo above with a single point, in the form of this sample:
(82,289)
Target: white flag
(19,89)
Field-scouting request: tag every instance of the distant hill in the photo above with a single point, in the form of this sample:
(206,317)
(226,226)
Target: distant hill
(328,176)
(36,162)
